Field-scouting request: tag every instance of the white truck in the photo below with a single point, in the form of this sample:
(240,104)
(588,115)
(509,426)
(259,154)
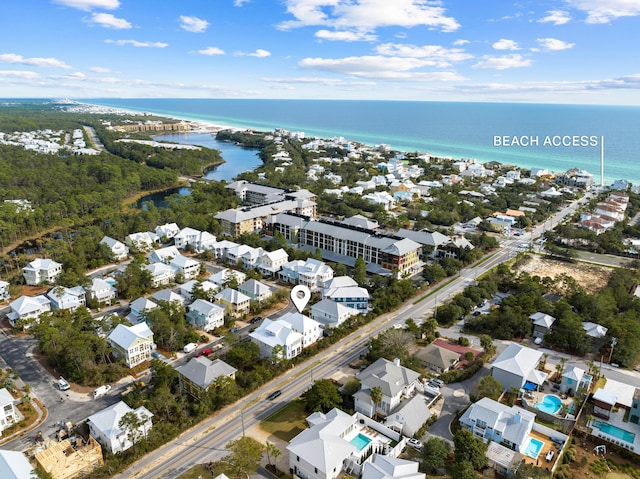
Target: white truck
(101,391)
(190,347)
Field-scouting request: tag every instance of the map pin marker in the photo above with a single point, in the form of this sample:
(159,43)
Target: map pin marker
(300,296)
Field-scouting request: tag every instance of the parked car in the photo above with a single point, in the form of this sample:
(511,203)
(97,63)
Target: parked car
(101,391)
(437,381)
(414,443)
(274,395)
(157,355)
(62,384)
(204,352)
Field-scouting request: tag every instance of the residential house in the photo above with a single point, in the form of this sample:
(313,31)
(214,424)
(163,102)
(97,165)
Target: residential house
(311,273)
(615,398)
(187,267)
(542,323)
(7,411)
(353,297)
(277,334)
(517,367)
(68,458)
(394,380)
(41,271)
(338,282)
(331,314)
(385,467)
(256,290)
(27,308)
(4,291)
(161,274)
(493,421)
(105,426)
(142,241)
(383,198)
(186,289)
(169,296)
(594,330)
(438,360)
(167,230)
(198,240)
(410,416)
(572,379)
(503,460)
(310,330)
(205,315)
(67,298)
(132,344)
(234,301)
(118,249)
(139,308)
(164,255)
(272,261)
(634,411)
(199,374)
(102,291)
(223,277)
(14,465)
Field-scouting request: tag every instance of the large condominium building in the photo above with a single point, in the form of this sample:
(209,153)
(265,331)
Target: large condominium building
(339,242)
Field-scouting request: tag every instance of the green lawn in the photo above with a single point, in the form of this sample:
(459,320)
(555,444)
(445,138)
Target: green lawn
(287,422)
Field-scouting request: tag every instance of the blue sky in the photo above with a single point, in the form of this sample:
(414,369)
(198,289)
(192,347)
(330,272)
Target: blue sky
(549,51)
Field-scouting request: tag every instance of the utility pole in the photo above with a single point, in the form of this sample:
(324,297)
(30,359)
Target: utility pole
(614,341)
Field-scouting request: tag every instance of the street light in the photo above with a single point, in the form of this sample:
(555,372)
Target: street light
(614,341)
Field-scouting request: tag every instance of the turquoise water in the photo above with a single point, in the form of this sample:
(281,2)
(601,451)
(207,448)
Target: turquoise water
(615,431)
(360,441)
(459,130)
(533,448)
(550,404)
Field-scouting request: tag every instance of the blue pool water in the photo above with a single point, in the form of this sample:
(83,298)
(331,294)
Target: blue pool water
(615,431)
(550,404)
(360,441)
(533,448)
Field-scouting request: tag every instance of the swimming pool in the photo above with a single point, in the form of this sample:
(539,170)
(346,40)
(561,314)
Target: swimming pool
(533,448)
(360,441)
(550,404)
(615,431)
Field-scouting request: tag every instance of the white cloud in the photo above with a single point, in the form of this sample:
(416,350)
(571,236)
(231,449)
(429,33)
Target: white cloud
(554,44)
(88,5)
(239,3)
(345,36)
(99,70)
(504,62)
(317,80)
(439,55)
(35,61)
(459,43)
(260,53)
(107,20)
(211,51)
(19,73)
(193,24)
(504,44)
(378,66)
(605,11)
(368,15)
(136,43)
(557,17)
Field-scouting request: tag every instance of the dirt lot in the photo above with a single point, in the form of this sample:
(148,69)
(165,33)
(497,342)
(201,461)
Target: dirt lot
(591,277)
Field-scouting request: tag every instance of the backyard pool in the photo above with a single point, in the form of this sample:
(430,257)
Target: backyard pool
(550,404)
(615,431)
(360,441)
(533,448)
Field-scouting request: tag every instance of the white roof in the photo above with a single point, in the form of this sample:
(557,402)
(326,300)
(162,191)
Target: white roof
(108,419)
(594,330)
(347,292)
(40,264)
(623,392)
(5,397)
(125,336)
(340,282)
(14,465)
(232,296)
(254,287)
(299,322)
(275,332)
(168,295)
(513,422)
(28,304)
(204,307)
(573,372)
(542,319)
(518,359)
(388,376)
(387,467)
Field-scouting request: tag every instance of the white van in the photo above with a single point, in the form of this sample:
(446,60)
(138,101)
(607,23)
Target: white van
(101,391)
(190,347)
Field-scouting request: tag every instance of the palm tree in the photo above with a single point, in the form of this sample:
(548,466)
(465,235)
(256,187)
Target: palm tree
(376,396)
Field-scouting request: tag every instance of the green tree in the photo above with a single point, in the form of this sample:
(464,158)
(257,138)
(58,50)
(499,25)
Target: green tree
(132,424)
(470,449)
(376,397)
(360,271)
(464,470)
(489,387)
(244,454)
(274,452)
(435,452)
(322,396)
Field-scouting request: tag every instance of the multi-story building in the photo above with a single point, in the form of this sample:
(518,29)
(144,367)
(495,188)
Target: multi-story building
(41,271)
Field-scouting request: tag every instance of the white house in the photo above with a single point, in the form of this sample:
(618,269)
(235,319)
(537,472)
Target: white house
(164,255)
(222,277)
(350,296)
(41,271)
(142,241)
(310,330)
(28,308)
(256,290)
(517,367)
(188,267)
(119,250)
(161,274)
(235,302)
(133,344)
(385,467)
(381,198)
(311,273)
(167,230)
(205,315)
(271,334)
(186,289)
(4,291)
(198,240)
(14,465)
(410,415)
(272,261)
(167,295)
(7,411)
(394,380)
(101,291)
(67,298)
(331,314)
(105,427)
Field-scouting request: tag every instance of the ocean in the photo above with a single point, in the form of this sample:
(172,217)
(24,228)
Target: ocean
(555,137)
